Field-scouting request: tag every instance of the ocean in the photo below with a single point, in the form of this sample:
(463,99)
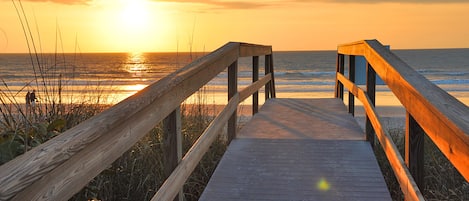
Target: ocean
(111,77)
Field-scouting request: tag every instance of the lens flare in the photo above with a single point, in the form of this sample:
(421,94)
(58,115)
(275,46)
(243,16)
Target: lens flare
(323,185)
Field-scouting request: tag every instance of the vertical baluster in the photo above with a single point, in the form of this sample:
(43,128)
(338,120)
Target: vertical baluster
(414,151)
(232,90)
(271,66)
(267,71)
(172,144)
(255,77)
(371,91)
(339,87)
(351,76)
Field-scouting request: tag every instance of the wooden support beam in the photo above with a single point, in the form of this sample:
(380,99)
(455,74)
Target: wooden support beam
(267,71)
(351,75)
(255,77)
(339,87)
(232,90)
(371,92)
(172,143)
(272,81)
(414,150)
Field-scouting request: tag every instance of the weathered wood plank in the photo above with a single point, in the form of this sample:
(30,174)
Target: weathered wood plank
(354,48)
(254,87)
(303,119)
(249,50)
(272,169)
(309,153)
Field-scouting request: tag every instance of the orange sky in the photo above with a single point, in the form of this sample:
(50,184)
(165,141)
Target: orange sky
(177,25)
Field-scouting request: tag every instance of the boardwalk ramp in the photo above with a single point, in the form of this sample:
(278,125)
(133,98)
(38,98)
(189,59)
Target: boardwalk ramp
(299,149)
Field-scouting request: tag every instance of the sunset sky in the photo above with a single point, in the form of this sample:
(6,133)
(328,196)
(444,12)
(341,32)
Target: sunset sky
(177,25)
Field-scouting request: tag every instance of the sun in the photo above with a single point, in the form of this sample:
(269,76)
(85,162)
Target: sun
(135,15)
(134,25)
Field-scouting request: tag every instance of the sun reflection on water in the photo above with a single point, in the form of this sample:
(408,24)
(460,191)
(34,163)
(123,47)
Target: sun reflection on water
(133,88)
(135,64)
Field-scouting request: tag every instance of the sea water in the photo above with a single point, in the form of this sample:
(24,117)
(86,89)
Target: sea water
(111,77)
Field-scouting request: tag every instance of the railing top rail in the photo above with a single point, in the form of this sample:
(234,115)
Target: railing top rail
(248,50)
(69,160)
(444,118)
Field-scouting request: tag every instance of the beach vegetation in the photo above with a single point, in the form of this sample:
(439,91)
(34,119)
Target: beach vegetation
(441,179)
(138,173)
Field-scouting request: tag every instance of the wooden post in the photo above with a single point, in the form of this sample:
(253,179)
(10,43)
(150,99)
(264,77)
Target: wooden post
(267,71)
(272,86)
(339,87)
(173,145)
(371,91)
(414,151)
(351,76)
(232,90)
(255,77)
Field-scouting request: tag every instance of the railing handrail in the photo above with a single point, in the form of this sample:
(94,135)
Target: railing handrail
(443,118)
(60,167)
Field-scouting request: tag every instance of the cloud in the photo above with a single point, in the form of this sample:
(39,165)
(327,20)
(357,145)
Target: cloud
(388,1)
(239,4)
(68,2)
(224,4)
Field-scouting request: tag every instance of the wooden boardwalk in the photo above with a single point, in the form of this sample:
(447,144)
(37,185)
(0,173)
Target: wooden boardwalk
(299,149)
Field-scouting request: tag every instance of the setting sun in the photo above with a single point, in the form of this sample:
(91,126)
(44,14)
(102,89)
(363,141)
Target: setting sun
(134,26)
(135,15)
(169,26)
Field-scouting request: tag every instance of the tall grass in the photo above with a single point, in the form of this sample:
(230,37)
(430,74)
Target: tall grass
(23,127)
(442,180)
(140,171)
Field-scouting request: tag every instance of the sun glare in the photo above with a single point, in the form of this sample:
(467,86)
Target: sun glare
(135,15)
(134,25)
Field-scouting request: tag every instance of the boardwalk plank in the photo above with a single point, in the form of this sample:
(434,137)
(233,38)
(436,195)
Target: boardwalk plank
(312,150)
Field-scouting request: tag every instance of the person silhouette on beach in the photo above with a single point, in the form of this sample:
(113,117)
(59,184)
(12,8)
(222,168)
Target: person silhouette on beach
(32,98)
(28,101)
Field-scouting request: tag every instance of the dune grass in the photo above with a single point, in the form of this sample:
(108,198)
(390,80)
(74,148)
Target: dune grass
(138,173)
(442,180)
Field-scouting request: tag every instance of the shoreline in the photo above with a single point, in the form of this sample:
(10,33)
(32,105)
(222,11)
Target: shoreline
(392,116)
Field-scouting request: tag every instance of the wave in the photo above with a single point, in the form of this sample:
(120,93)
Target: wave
(304,74)
(277,82)
(453,81)
(442,73)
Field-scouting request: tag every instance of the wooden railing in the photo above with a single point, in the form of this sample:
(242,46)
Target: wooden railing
(61,167)
(429,110)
